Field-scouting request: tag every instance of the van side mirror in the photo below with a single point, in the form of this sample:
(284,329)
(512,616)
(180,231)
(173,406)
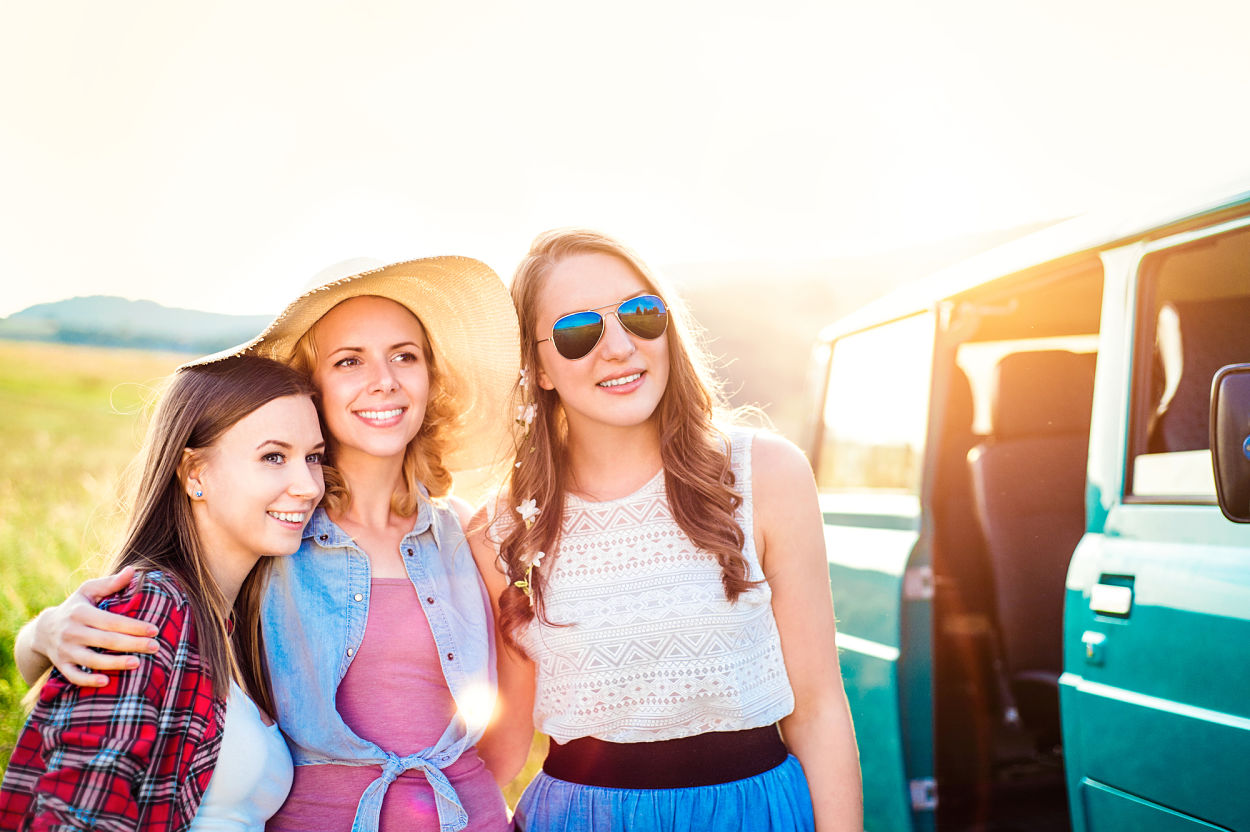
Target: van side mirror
(1230,440)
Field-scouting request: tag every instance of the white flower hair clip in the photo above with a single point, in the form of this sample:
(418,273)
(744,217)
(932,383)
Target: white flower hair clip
(525,584)
(528,509)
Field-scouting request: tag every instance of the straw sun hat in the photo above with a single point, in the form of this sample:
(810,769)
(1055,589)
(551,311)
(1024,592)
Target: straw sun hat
(468,318)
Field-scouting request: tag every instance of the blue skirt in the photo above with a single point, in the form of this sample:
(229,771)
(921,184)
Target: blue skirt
(776,801)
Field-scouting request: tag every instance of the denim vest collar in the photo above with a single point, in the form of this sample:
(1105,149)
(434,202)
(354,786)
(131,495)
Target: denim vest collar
(328,535)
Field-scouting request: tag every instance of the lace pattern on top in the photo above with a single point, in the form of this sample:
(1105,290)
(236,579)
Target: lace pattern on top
(653,650)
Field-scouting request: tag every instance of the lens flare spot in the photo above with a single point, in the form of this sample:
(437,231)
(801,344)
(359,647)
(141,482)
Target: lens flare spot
(476,703)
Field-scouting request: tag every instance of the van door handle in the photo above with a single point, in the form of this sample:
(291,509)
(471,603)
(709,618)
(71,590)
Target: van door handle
(1111,599)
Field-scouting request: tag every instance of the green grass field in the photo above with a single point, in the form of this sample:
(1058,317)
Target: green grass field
(71,419)
(70,422)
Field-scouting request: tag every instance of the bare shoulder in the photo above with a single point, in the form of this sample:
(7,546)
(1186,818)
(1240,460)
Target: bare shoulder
(491,516)
(484,534)
(464,511)
(787,511)
(778,468)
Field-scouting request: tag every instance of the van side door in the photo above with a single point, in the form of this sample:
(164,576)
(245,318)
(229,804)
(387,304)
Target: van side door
(1155,695)
(868,457)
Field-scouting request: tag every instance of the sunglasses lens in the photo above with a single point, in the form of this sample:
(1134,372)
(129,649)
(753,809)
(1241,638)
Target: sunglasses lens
(576,335)
(645,316)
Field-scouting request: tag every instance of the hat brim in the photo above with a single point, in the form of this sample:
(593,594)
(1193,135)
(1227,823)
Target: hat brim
(469,320)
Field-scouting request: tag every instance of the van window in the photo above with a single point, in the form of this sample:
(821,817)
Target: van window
(876,409)
(1194,317)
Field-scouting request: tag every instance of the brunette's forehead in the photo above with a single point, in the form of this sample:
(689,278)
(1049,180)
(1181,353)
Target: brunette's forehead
(587,281)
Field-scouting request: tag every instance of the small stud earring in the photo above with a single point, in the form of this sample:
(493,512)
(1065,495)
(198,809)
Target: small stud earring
(199,493)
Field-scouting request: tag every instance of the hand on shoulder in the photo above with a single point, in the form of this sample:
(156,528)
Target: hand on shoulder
(70,635)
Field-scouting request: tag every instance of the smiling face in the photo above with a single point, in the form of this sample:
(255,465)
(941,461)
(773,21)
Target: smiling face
(373,375)
(619,383)
(257,484)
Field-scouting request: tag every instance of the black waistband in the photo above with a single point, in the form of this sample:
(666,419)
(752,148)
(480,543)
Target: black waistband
(701,760)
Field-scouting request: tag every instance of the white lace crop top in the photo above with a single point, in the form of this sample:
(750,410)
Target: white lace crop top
(654,650)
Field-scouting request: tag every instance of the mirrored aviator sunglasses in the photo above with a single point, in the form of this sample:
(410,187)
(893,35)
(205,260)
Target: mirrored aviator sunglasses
(576,334)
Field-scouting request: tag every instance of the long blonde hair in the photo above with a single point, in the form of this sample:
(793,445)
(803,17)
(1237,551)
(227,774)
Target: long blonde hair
(423,458)
(694,452)
(202,403)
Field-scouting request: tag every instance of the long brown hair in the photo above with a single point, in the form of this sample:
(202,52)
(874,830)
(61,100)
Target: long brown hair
(423,459)
(201,403)
(697,474)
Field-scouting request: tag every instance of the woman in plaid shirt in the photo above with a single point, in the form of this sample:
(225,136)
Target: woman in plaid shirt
(230,474)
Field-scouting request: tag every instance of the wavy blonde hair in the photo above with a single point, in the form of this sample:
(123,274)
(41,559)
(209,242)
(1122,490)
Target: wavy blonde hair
(694,451)
(423,459)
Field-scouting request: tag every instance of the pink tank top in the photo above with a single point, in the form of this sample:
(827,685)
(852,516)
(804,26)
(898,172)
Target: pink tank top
(393,695)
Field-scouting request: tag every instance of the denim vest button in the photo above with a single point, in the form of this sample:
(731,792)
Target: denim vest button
(323,538)
(408,552)
(350,651)
(359,597)
(429,600)
(451,657)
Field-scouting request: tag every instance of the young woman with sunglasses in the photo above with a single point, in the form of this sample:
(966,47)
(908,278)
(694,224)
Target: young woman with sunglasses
(378,630)
(659,578)
(182,738)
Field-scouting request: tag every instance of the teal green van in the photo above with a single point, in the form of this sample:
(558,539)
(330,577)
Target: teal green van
(1043,597)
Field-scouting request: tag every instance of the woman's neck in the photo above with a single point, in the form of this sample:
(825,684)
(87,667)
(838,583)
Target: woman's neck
(372,482)
(606,462)
(229,573)
(228,562)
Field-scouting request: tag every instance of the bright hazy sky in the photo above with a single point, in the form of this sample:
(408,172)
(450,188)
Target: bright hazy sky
(217,155)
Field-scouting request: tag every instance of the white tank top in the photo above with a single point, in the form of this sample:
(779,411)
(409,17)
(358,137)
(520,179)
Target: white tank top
(655,651)
(253,772)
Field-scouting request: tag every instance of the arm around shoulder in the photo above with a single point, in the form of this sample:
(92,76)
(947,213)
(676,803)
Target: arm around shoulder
(790,540)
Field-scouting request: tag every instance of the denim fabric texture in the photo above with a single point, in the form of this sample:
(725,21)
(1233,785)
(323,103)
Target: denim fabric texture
(315,610)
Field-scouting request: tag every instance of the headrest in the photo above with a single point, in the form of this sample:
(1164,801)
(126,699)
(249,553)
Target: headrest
(959,406)
(1042,393)
(1213,333)
(1195,338)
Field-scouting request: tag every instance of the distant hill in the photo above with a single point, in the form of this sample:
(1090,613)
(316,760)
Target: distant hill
(102,320)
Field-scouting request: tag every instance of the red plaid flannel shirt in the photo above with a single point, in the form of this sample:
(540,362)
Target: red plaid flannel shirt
(135,754)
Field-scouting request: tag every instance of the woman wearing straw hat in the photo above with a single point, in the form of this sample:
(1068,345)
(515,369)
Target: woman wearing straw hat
(378,630)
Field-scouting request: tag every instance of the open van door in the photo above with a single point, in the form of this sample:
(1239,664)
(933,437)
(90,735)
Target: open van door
(1155,695)
(868,456)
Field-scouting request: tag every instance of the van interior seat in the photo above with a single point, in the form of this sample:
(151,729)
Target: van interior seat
(1029,486)
(1194,339)
(958,531)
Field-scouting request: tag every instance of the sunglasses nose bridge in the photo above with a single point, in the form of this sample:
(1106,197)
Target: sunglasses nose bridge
(616,338)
